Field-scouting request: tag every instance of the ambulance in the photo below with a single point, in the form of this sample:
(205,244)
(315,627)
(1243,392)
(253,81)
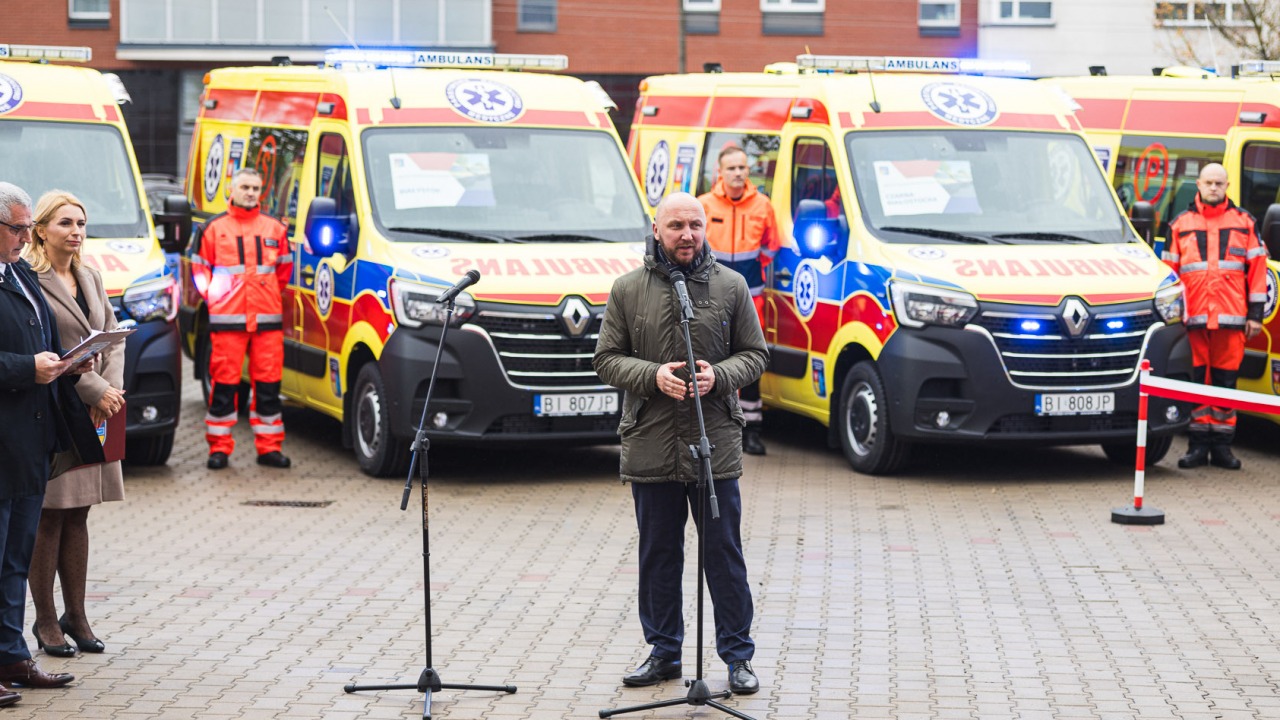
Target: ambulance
(955,267)
(1154,133)
(61,128)
(398,172)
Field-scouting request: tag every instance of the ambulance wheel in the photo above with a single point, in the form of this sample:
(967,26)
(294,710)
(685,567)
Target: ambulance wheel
(204,353)
(1126,453)
(148,451)
(863,417)
(379,453)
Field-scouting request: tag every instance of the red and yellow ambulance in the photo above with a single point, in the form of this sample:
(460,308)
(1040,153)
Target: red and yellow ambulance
(955,266)
(398,172)
(1154,133)
(61,128)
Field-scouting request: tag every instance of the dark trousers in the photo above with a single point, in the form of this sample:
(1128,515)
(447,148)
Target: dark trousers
(19,519)
(662,510)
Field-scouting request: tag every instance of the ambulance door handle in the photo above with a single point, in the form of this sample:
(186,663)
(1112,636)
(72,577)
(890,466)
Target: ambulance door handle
(308,275)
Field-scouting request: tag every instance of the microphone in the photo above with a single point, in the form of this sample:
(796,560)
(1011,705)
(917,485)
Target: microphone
(471,278)
(682,292)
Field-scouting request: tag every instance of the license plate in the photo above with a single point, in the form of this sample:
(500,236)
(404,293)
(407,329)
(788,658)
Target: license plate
(1075,403)
(601,403)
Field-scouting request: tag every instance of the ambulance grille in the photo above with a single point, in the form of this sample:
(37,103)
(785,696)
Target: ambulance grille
(1094,359)
(536,349)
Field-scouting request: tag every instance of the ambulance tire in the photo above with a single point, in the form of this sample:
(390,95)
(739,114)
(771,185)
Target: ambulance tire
(148,451)
(379,453)
(1126,453)
(863,422)
(205,350)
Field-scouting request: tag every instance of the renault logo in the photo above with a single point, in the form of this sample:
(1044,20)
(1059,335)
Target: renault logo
(1076,317)
(576,317)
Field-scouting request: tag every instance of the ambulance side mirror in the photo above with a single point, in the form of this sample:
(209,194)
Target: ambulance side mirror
(1143,217)
(1271,230)
(173,223)
(326,230)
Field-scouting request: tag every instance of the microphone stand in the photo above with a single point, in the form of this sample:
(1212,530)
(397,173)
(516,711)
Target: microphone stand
(699,694)
(429,681)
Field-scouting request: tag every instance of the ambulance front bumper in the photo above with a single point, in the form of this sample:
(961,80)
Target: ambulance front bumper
(946,384)
(152,372)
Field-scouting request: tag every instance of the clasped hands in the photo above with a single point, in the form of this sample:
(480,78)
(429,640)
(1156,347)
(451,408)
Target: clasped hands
(678,389)
(49,367)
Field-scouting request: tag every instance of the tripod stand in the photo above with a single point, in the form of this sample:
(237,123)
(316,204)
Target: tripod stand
(429,681)
(699,694)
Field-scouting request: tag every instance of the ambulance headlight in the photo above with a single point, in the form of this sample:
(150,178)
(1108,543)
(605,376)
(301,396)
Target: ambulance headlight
(152,300)
(920,305)
(1169,304)
(415,305)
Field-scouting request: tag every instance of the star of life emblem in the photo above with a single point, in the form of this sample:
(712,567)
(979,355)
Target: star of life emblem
(484,100)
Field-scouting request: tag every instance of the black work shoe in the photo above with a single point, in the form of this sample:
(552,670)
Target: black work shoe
(1221,456)
(1197,456)
(216,461)
(751,442)
(652,671)
(742,679)
(275,459)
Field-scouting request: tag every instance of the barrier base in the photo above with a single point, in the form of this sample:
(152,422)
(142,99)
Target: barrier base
(1137,516)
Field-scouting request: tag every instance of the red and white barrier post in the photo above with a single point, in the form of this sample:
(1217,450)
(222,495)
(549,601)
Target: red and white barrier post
(1137,514)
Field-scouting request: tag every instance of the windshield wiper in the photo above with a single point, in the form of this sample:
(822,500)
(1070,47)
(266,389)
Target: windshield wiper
(452,234)
(559,237)
(942,234)
(1046,236)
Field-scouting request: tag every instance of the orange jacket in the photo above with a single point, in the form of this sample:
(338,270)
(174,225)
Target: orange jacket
(241,263)
(742,233)
(1222,262)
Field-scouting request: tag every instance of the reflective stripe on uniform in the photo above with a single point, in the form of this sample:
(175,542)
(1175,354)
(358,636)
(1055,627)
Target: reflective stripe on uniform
(1231,319)
(1231,265)
(736,256)
(1197,320)
(270,317)
(1194,267)
(1257,252)
(1257,297)
(226,319)
(1170,256)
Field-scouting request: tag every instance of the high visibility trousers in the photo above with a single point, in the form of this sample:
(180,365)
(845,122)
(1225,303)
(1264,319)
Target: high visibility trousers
(265,350)
(749,395)
(1215,360)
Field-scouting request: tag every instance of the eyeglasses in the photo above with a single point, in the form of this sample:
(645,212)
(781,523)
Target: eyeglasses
(18,229)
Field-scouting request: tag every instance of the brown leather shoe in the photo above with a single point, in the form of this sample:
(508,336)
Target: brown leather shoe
(8,697)
(26,673)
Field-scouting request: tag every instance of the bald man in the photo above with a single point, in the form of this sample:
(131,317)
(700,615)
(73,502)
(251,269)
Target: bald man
(1216,251)
(642,351)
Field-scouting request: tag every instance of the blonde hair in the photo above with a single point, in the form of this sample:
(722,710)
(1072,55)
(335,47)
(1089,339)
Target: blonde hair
(48,204)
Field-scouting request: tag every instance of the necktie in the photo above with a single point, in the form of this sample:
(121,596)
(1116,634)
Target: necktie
(10,277)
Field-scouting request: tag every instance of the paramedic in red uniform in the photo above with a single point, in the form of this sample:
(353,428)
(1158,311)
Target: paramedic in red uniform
(241,263)
(743,235)
(1215,249)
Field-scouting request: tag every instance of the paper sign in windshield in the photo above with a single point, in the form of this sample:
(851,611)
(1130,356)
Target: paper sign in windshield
(435,179)
(926,187)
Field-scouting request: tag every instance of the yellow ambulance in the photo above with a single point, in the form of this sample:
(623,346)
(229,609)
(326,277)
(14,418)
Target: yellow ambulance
(398,172)
(1154,133)
(61,128)
(955,266)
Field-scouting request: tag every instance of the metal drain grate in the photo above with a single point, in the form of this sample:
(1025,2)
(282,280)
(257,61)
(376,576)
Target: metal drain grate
(289,503)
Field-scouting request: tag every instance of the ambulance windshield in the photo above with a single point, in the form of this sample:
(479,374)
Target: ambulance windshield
(89,161)
(940,186)
(501,184)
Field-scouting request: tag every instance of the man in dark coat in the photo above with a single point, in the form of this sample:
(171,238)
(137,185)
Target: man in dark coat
(641,350)
(39,415)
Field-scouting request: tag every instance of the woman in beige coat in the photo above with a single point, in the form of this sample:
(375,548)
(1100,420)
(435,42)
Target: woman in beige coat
(76,296)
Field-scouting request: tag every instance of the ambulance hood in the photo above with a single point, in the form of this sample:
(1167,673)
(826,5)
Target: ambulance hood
(532,273)
(1036,274)
(123,262)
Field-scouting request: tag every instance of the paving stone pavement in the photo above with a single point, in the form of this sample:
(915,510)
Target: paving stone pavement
(983,584)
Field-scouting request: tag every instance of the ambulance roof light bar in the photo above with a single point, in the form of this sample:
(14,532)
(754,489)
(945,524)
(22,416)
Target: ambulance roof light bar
(67,53)
(346,57)
(866,63)
(1260,67)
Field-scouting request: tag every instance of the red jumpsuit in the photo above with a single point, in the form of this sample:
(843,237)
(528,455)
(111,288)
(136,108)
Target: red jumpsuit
(241,263)
(1216,251)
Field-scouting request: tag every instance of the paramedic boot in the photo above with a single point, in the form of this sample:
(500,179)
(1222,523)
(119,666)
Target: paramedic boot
(1197,454)
(751,442)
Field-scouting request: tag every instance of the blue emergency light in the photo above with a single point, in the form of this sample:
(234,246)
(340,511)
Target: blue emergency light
(1114,325)
(1031,327)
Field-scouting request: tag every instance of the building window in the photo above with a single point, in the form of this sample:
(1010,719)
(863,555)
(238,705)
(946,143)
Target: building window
(695,6)
(536,16)
(792,17)
(796,6)
(1022,11)
(940,13)
(89,12)
(1198,13)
